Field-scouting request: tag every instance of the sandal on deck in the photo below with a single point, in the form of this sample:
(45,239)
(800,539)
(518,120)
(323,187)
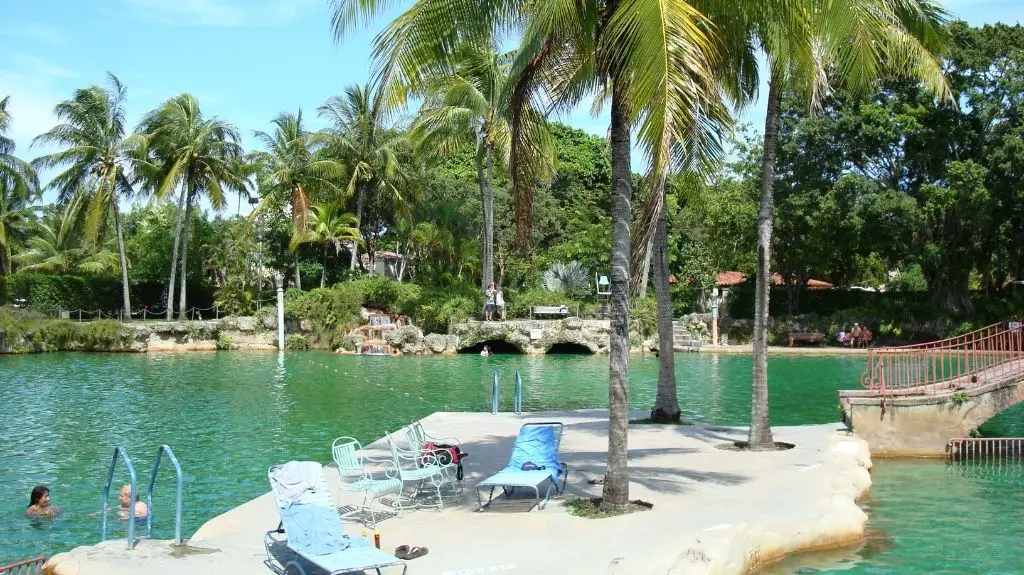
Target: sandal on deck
(404,552)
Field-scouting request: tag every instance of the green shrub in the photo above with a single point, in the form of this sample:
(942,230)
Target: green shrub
(224,342)
(382,293)
(332,311)
(29,332)
(438,309)
(643,319)
(296,342)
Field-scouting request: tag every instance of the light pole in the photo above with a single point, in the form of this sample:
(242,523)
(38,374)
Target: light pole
(279,280)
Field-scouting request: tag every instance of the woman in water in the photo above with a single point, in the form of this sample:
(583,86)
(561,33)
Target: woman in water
(39,503)
(125,497)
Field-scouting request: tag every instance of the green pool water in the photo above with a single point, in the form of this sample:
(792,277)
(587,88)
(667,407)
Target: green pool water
(229,415)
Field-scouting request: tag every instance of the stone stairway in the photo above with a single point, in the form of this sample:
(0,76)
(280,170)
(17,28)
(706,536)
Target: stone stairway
(682,340)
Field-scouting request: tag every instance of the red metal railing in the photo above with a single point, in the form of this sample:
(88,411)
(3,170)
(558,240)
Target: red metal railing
(1008,449)
(32,566)
(984,356)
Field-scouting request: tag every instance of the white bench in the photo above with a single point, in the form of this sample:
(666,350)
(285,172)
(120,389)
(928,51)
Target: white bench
(549,310)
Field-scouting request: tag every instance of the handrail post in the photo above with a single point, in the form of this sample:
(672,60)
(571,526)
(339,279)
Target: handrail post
(518,407)
(494,395)
(149,496)
(119,451)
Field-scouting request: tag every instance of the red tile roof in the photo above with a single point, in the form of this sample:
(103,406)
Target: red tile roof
(728,279)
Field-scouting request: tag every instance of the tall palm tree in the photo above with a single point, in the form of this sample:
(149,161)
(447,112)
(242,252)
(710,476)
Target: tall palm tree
(846,45)
(15,216)
(362,139)
(96,147)
(469,107)
(195,155)
(296,165)
(655,58)
(329,226)
(19,187)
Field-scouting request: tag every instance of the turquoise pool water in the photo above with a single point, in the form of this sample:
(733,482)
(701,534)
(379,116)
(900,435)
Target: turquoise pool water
(229,415)
(931,518)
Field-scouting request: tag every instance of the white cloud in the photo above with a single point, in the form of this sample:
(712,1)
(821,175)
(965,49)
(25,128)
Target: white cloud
(222,13)
(44,34)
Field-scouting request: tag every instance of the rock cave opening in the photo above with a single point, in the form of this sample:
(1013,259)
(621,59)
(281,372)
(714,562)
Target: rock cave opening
(495,345)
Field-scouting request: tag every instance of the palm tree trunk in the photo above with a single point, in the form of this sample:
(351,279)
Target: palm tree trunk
(666,404)
(323,275)
(646,273)
(615,496)
(487,201)
(359,223)
(298,275)
(125,296)
(174,250)
(760,436)
(182,295)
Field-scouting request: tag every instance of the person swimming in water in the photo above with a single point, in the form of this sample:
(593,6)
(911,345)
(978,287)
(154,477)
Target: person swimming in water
(125,497)
(39,503)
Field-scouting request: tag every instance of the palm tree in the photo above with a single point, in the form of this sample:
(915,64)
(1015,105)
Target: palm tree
(296,165)
(57,244)
(15,215)
(654,58)
(368,146)
(19,187)
(329,226)
(200,156)
(848,45)
(92,133)
(469,107)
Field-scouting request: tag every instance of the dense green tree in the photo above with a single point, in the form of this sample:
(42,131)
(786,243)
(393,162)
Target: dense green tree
(329,227)
(296,165)
(372,151)
(198,156)
(19,187)
(96,147)
(58,245)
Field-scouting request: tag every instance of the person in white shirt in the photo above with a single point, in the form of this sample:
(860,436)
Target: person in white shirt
(499,303)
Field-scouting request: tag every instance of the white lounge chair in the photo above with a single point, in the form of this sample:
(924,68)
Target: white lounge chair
(357,557)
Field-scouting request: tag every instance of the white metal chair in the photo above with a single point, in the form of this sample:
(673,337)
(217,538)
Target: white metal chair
(418,469)
(349,457)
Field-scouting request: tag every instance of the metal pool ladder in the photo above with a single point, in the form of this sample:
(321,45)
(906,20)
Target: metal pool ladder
(177,500)
(121,454)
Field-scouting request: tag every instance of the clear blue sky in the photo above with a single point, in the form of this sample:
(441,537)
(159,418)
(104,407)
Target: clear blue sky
(246,60)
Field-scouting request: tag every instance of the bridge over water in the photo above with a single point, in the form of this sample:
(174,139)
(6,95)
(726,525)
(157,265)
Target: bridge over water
(916,398)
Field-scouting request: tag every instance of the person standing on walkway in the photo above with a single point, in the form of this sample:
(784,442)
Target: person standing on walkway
(499,303)
(488,302)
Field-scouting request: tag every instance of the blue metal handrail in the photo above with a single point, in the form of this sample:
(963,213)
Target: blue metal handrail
(494,395)
(119,451)
(177,503)
(518,404)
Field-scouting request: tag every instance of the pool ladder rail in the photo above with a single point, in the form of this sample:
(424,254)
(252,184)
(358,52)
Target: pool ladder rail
(120,454)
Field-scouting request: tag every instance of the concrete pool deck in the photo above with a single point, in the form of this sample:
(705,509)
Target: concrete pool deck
(715,511)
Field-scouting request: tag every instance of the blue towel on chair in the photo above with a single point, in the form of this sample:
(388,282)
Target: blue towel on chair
(313,529)
(536,445)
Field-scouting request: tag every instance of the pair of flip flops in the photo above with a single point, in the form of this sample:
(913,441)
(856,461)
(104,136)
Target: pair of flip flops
(406,552)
